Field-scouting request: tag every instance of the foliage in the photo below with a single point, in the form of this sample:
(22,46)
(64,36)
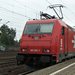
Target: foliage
(16,43)
(2,44)
(7,35)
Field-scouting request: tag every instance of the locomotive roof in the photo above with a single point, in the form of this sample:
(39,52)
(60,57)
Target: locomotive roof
(47,21)
(40,21)
(50,20)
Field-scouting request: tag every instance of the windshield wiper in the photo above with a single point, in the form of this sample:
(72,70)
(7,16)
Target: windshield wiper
(37,29)
(42,35)
(29,35)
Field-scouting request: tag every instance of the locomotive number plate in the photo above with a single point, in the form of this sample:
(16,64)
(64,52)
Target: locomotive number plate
(35,50)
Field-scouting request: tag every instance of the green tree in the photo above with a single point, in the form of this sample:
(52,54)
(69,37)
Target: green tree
(7,35)
(16,43)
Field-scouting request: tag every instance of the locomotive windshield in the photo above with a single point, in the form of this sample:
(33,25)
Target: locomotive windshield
(42,28)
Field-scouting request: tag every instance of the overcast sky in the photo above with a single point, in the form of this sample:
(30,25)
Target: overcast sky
(17,12)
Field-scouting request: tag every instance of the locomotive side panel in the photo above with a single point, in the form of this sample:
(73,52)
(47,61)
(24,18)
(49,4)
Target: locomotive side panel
(71,43)
(67,42)
(63,44)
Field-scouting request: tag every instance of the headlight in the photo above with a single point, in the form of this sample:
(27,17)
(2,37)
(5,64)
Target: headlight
(46,50)
(24,50)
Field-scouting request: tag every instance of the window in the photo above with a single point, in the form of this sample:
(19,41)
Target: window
(63,30)
(42,28)
(31,28)
(46,28)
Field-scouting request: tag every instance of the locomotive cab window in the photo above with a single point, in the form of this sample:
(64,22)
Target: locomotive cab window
(39,28)
(63,30)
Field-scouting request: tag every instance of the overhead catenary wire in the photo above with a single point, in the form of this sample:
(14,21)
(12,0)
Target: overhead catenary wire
(25,5)
(12,23)
(63,14)
(19,28)
(48,2)
(11,16)
(14,12)
(20,7)
(17,24)
(68,8)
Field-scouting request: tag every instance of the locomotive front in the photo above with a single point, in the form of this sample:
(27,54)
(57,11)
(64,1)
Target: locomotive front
(36,45)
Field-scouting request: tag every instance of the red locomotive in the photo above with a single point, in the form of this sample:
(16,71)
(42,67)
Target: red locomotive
(46,41)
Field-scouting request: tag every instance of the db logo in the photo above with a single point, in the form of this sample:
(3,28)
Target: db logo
(73,41)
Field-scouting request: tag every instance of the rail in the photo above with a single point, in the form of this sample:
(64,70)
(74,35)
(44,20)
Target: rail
(26,72)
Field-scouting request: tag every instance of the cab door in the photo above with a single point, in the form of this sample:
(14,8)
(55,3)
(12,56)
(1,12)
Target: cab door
(66,41)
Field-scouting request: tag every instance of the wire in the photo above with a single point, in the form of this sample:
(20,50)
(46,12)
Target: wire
(14,12)
(19,24)
(11,21)
(63,14)
(11,16)
(18,7)
(25,5)
(68,8)
(48,2)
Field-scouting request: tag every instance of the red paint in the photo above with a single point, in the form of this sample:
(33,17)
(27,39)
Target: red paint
(50,41)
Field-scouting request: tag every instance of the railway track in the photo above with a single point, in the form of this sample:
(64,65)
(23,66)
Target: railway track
(8,53)
(7,58)
(8,64)
(13,70)
(5,64)
(24,73)
(7,61)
